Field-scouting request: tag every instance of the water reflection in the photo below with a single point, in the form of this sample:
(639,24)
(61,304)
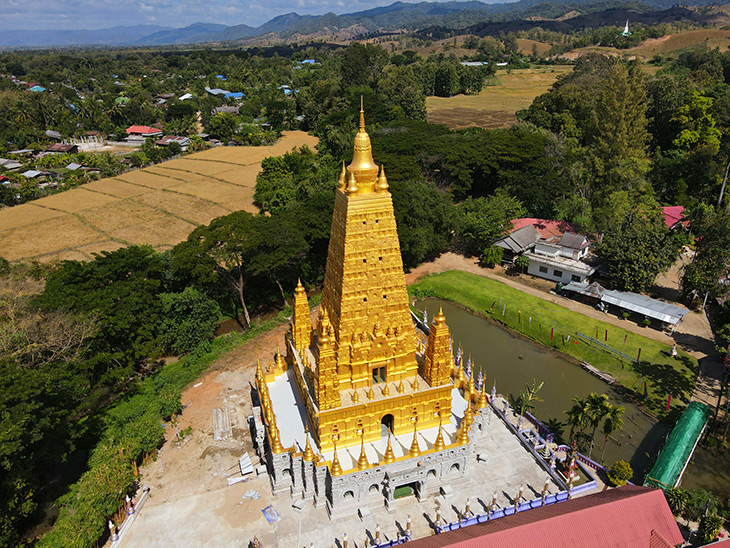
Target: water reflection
(511,362)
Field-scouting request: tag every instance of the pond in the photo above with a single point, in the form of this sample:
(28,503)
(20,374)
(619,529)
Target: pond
(511,362)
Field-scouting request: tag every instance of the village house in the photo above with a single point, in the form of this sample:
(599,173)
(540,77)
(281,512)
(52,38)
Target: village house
(169,139)
(556,252)
(61,148)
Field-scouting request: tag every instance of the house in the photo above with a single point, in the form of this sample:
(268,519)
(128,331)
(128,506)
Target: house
(185,97)
(22,152)
(32,174)
(169,139)
(10,165)
(227,109)
(519,241)
(165,96)
(61,148)
(625,517)
(216,91)
(674,216)
(37,89)
(53,134)
(143,131)
(546,227)
(73,166)
(4,180)
(560,260)
(234,95)
(473,63)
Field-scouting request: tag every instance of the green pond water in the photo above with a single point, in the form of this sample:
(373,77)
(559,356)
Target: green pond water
(511,362)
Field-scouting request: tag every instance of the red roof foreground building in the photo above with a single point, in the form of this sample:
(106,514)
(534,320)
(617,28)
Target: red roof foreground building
(626,517)
(546,227)
(146,131)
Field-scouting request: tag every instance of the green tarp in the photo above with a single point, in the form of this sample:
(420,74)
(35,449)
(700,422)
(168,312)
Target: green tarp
(678,448)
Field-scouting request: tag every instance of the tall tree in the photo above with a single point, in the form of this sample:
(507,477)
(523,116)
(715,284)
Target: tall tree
(612,422)
(598,407)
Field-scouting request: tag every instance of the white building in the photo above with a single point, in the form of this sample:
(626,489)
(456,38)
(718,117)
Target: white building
(560,260)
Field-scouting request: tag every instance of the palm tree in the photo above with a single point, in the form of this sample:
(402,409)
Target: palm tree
(612,422)
(557,428)
(598,407)
(577,416)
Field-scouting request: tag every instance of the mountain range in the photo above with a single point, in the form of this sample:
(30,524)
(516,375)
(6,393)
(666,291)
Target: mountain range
(399,15)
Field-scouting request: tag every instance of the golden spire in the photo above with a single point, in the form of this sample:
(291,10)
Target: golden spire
(308,453)
(389,455)
(483,396)
(362,462)
(336,468)
(471,387)
(371,392)
(300,287)
(401,386)
(415,449)
(279,360)
(276,446)
(259,371)
(415,382)
(463,437)
(382,181)
(439,444)
(440,318)
(363,167)
(386,390)
(343,173)
(352,187)
(355,397)
(468,419)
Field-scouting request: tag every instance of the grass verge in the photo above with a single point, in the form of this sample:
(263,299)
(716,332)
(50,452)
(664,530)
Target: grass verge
(556,327)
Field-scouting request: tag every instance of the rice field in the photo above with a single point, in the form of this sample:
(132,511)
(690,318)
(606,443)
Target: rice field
(159,205)
(496,105)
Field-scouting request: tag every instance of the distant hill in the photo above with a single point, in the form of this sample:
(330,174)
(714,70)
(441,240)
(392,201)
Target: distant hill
(431,17)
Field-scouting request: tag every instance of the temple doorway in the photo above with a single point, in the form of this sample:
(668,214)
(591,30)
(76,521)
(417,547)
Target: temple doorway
(406,490)
(386,425)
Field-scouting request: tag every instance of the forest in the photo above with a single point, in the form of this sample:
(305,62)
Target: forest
(82,345)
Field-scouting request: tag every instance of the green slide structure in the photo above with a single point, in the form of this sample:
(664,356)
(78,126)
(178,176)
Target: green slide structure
(680,445)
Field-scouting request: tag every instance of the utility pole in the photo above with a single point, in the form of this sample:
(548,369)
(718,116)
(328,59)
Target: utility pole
(722,189)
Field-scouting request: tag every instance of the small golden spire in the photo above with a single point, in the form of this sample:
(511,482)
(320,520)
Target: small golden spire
(355,397)
(352,187)
(259,370)
(362,116)
(439,444)
(336,468)
(389,456)
(401,386)
(483,402)
(472,389)
(463,437)
(276,446)
(382,181)
(386,390)
(415,382)
(371,392)
(415,449)
(440,318)
(279,360)
(468,419)
(300,287)
(308,453)
(362,462)
(343,174)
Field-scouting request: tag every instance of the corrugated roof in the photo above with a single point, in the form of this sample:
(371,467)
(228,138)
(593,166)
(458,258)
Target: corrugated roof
(672,215)
(647,306)
(573,241)
(547,227)
(624,517)
(519,240)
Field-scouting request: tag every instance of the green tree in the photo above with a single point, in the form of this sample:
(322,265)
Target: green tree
(711,229)
(222,126)
(362,64)
(698,131)
(677,499)
(577,416)
(598,407)
(522,262)
(710,527)
(620,472)
(612,422)
(188,319)
(482,221)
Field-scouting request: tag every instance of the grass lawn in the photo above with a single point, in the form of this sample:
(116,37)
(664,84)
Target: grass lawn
(663,374)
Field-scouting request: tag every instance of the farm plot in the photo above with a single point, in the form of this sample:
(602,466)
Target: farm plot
(74,200)
(157,232)
(47,237)
(242,176)
(120,214)
(496,105)
(187,207)
(186,165)
(25,214)
(116,187)
(150,179)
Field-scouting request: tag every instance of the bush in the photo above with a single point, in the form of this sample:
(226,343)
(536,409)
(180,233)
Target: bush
(491,256)
(189,318)
(620,473)
(710,527)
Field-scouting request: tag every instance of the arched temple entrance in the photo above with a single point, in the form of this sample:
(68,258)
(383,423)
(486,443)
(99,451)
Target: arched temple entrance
(386,424)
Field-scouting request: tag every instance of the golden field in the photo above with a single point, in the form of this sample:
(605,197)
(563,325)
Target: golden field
(159,205)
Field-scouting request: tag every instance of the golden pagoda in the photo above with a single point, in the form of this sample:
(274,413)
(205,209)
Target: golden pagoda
(364,336)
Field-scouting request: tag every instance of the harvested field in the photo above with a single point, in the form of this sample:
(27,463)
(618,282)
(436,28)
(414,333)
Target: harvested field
(47,237)
(74,200)
(25,214)
(120,214)
(165,230)
(115,187)
(184,206)
(496,105)
(159,205)
(526,46)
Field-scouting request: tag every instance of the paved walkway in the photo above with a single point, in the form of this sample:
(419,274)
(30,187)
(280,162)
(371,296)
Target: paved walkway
(693,335)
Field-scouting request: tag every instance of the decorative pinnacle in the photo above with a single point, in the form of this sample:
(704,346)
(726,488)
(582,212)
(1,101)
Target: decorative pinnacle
(415,382)
(308,453)
(343,174)
(371,392)
(439,444)
(401,386)
(279,359)
(362,116)
(300,287)
(352,187)
(483,402)
(336,468)
(440,318)
(463,437)
(276,446)
(468,419)
(415,449)
(382,181)
(362,462)
(389,456)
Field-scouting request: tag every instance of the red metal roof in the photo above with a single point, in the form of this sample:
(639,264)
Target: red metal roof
(546,227)
(143,130)
(625,517)
(673,215)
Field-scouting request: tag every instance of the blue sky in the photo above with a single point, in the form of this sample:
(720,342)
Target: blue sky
(96,14)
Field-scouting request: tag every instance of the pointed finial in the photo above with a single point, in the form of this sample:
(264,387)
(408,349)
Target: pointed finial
(362,116)
(401,386)
(276,446)
(382,181)
(483,402)
(362,462)
(308,453)
(300,287)
(415,382)
(259,370)
(439,444)
(279,359)
(468,419)
(440,318)
(352,184)
(415,449)
(355,397)
(371,392)
(463,437)
(386,390)
(343,174)
(336,468)
(389,456)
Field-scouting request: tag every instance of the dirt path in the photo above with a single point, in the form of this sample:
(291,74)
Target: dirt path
(693,335)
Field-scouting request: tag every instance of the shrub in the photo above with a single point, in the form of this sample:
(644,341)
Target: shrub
(491,256)
(710,527)
(620,473)
(189,318)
